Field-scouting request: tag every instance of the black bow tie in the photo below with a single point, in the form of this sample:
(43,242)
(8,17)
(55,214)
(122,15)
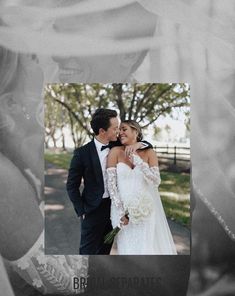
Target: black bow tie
(105,147)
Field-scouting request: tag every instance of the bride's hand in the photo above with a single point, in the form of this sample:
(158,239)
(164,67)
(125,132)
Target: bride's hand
(132,148)
(124,220)
(131,157)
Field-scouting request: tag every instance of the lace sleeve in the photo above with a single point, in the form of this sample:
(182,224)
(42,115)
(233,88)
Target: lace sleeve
(50,274)
(113,191)
(151,174)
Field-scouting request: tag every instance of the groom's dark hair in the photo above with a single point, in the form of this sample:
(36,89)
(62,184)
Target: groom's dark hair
(101,119)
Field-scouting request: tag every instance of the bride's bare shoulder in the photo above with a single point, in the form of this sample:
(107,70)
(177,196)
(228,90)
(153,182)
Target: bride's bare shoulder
(147,152)
(117,150)
(114,155)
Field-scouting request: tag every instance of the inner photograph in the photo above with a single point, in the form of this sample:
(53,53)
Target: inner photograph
(117,169)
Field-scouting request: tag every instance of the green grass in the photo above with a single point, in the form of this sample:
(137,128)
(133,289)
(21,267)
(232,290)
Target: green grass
(177,210)
(175,182)
(179,183)
(60,159)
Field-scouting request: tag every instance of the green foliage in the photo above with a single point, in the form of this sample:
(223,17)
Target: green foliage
(61,160)
(178,183)
(175,182)
(177,210)
(71,105)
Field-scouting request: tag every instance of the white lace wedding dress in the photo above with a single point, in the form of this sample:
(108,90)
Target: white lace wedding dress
(136,191)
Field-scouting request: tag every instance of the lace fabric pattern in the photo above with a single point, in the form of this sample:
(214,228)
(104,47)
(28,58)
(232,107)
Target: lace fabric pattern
(150,236)
(151,174)
(51,273)
(113,191)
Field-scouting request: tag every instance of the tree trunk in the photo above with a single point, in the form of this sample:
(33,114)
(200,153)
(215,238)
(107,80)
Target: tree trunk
(63,140)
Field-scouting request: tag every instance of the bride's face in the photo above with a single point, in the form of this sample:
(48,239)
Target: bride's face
(127,134)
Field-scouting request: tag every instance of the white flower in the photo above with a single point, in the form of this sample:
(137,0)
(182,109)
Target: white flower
(37,283)
(23,264)
(134,212)
(139,208)
(41,258)
(145,211)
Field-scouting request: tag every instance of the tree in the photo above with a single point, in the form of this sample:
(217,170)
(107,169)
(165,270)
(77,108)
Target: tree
(168,130)
(141,102)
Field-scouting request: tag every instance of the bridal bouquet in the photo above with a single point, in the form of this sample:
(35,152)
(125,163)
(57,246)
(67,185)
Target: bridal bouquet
(139,209)
(136,210)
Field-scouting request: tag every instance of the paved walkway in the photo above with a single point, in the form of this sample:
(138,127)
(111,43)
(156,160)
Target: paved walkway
(62,226)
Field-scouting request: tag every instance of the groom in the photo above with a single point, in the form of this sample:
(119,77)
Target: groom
(89,164)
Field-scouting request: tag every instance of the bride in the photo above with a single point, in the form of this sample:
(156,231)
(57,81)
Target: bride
(133,186)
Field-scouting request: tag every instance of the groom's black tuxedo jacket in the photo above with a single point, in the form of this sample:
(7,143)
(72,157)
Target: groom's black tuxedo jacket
(85,165)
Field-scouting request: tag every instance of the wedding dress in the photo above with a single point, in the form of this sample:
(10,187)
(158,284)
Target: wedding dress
(136,191)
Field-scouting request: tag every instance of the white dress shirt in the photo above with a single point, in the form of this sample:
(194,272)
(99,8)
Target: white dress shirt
(103,161)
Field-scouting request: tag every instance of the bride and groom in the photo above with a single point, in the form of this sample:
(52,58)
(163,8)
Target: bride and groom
(120,188)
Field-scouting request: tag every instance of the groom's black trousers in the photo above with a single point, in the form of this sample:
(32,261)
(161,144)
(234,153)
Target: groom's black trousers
(93,229)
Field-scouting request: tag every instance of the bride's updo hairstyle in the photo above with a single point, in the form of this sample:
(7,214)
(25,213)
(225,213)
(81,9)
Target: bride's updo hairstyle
(134,125)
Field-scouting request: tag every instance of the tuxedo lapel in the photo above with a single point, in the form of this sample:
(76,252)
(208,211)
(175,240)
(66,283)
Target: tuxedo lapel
(96,163)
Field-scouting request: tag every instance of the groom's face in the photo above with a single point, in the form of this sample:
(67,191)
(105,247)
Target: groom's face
(113,130)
